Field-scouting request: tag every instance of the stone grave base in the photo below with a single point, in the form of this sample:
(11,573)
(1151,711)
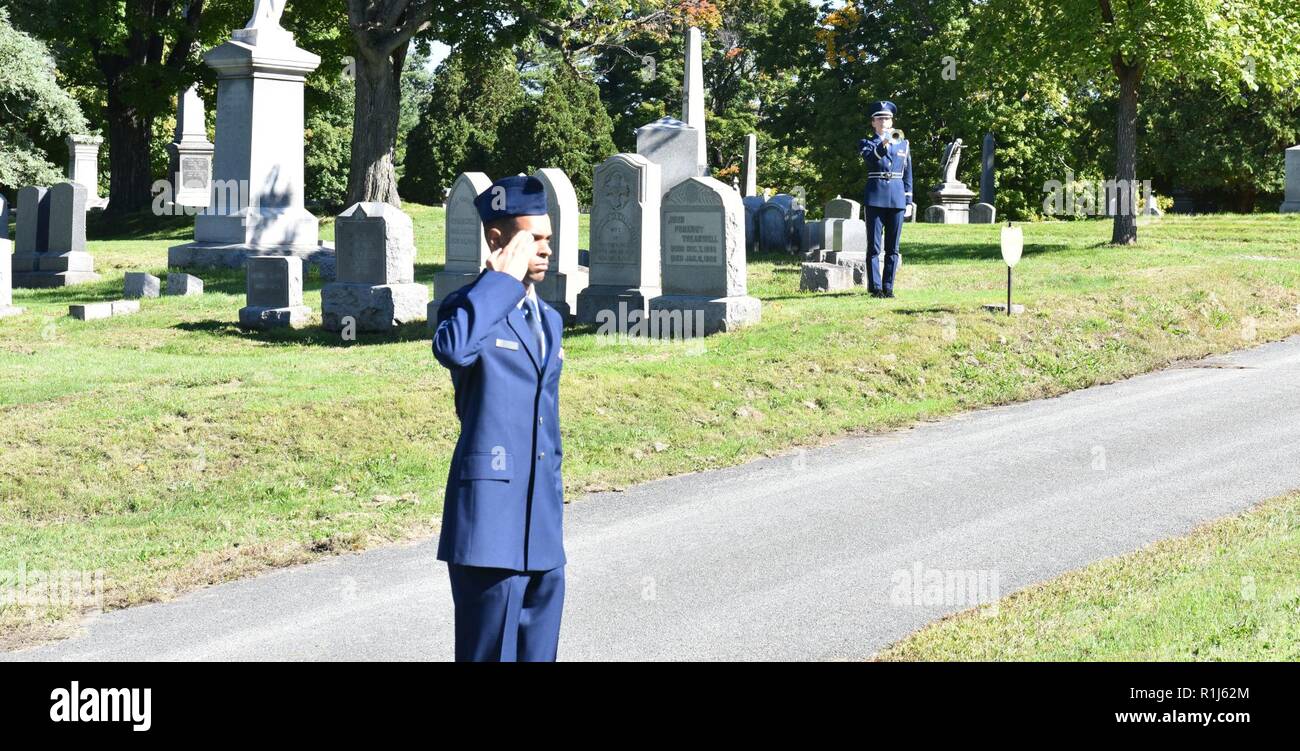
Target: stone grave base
(375,308)
(716,314)
(560,291)
(446,282)
(95,310)
(10,310)
(43,279)
(216,256)
(948,212)
(603,304)
(825,277)
(272,318)
(1290,207)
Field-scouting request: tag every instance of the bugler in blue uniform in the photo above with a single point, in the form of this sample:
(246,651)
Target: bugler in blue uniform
(887,196)
(502,524)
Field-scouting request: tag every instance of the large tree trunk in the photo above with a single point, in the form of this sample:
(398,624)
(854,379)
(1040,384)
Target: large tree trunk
(372,174)
(1125,230)
(129,165)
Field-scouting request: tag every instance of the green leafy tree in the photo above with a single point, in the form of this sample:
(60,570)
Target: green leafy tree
(37,112)
(459,127)
(1118,45)
(565,126)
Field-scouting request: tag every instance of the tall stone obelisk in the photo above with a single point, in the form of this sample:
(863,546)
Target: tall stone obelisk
(678,146)
(693,94)
(256,206)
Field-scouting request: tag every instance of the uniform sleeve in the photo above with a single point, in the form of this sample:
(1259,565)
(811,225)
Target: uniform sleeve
(907,173)
(465,322)
(874,153)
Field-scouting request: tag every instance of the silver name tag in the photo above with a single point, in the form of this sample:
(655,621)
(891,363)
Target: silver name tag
(507,344)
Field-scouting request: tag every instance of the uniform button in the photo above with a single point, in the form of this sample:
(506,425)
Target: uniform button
(541,456)
(539,421)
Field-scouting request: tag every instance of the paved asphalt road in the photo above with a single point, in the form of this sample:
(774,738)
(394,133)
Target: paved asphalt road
(801,556)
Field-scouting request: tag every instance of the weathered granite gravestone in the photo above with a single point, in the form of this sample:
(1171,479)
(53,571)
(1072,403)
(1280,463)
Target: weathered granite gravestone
(753,204)
(32,235)
(983,213)
(703,257)
(83,167)
(624,272)
(673,145)
(140,284)
(64,260)
(7,307)
(274,293)
(191,153)
(184,285)
(849,236)
(842,208)
(467,247)
(773,227)
(751,165)
(1291,203)
(256,206)
(825,277)
(375,274)
(952,197)
(564,277)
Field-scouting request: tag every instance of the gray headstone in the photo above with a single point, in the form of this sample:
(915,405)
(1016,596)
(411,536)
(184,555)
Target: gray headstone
(983,213)
(624,255)
(68,218)
(184,284)
(704,272)
(624,223)
(1291,201)
(375,244)
(466,246)
(6,281)
(752,206)
(850,236)
(843,208)
(4,217)
(33,230)
(702,250)
(773,232)
(274,281)
(140,284)
(675,147)
(693,92)
(562,208)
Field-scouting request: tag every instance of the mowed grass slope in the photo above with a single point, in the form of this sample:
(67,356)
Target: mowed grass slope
(1228,591)
(170,449)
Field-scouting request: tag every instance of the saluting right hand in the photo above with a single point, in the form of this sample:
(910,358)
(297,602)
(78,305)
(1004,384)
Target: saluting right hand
(515,257)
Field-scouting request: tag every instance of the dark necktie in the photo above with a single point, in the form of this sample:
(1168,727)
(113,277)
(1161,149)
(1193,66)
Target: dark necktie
(535,322)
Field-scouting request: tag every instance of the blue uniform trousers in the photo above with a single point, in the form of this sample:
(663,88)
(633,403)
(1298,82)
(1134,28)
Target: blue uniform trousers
(504,615)
(888,222)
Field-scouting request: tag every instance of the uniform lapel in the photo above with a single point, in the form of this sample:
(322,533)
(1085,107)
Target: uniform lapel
(551,322)
(525,334)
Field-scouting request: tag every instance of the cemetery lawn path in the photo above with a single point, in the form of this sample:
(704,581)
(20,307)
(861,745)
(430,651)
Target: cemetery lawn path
(168,450)
(837,551)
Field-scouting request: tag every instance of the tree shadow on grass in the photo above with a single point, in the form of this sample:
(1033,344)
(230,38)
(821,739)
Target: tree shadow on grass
(938,254)
(310,336)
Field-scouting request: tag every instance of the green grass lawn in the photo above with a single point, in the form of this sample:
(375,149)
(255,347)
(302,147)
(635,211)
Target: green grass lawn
(1228,591)
(170,450)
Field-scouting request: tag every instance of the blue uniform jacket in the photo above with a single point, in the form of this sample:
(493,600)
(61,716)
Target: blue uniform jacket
(504,504)
(889,172)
